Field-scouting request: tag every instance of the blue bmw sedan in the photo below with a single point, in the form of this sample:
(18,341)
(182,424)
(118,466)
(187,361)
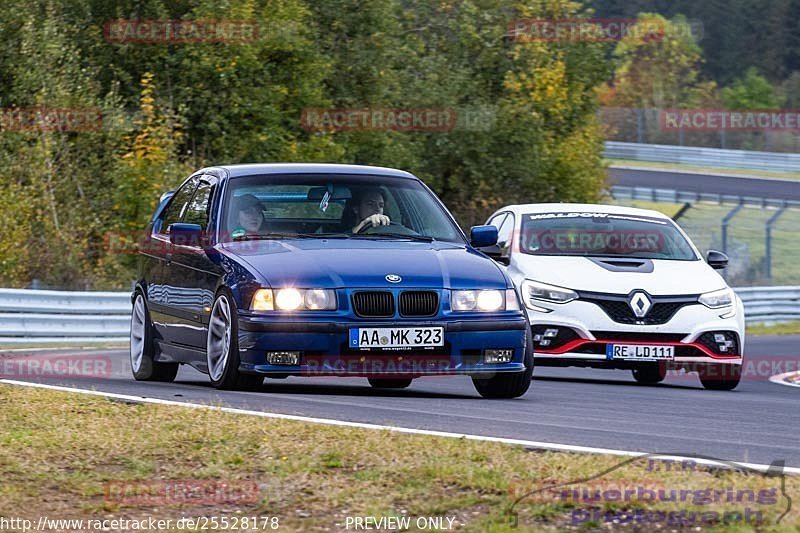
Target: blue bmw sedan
(277,270)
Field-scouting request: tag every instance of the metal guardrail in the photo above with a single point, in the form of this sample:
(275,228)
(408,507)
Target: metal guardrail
(622,192)
(770,304)
(51,317)
(712,157)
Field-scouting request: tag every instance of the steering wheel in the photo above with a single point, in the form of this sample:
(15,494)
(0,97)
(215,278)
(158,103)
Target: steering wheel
(393,227)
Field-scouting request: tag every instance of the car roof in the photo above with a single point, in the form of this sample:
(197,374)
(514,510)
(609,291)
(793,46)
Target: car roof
(522,209)
(235,171)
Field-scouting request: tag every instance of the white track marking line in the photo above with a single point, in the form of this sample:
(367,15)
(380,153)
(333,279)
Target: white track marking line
(396,429)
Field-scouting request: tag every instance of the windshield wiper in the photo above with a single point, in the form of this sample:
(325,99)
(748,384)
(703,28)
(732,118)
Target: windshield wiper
(333,235)
(261,236)
(422,238)
(277,236)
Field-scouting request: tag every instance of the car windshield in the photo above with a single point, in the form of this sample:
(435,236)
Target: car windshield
(275,206)
(603,234)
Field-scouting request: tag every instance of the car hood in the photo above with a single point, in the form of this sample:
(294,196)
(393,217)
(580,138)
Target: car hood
(585,274)
(331,263)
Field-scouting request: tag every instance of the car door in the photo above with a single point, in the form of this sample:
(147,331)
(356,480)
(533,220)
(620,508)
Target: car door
(193,273)
(504,222)
(505,238)
(163,299)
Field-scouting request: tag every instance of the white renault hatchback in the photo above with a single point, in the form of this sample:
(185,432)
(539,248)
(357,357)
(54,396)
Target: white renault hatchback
(617,287)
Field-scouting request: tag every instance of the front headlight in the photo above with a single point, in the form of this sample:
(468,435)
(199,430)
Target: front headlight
(483,300)
(549,293)
(291,299)
(717,299)
(262,300)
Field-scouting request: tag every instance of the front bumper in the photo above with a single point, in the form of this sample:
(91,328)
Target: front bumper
(325,352)
(585,331)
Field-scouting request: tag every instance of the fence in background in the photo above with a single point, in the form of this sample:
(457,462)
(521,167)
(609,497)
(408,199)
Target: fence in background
(706,157)
(648,126)
(52,317)
(687,198)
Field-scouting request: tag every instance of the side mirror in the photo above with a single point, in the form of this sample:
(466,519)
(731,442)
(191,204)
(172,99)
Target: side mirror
(185,234)
(482,236)
(716,260)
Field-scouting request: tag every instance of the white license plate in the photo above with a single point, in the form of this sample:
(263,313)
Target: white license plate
(396,337)
(639,352)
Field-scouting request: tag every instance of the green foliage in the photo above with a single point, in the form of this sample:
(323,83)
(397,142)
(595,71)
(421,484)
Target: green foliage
(753,91)
(661,72)
(526,130)
(734,34)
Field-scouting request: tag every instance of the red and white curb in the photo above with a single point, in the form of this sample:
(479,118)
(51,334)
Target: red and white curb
(792,379)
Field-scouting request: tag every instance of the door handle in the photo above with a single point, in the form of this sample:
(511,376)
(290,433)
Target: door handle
(169,258)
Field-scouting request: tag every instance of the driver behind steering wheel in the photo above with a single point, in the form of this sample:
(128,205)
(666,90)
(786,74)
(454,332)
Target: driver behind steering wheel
(367,206)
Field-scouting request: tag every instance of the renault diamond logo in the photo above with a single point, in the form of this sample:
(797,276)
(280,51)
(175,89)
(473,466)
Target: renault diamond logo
(640,304)
(393,278)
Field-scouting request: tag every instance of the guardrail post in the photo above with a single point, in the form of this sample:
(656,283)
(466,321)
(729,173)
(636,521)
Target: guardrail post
(726,221)
(639,126)
(768,242)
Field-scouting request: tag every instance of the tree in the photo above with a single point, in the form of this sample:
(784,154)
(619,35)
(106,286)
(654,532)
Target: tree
(659,73)
(752,91)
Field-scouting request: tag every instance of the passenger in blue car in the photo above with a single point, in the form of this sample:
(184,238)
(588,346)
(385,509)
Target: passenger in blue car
(365,210)
(250,217)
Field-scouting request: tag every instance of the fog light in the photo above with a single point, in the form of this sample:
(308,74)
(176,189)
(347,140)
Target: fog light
(283,358)
(550,333)
(497,356)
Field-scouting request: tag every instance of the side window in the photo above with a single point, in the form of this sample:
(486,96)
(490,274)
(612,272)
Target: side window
(197,210)
(504,232)
(177,206)
(497,220)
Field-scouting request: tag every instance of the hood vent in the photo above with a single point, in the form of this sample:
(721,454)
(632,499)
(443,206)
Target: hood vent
(623,264)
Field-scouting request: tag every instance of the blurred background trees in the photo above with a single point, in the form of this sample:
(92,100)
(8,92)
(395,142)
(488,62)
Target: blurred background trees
(528,126)
(169,108)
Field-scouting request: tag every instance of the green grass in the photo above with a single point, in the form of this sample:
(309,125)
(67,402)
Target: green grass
(786,328)
(677,167)
(59,452)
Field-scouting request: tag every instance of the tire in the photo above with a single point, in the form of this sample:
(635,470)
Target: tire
(720,377)
(397,383)
(222,347)
(649,374)
(142,346)
(504,385)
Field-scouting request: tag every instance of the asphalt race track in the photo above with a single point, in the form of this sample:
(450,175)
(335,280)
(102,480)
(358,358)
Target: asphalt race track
(692,182)
(756,423)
